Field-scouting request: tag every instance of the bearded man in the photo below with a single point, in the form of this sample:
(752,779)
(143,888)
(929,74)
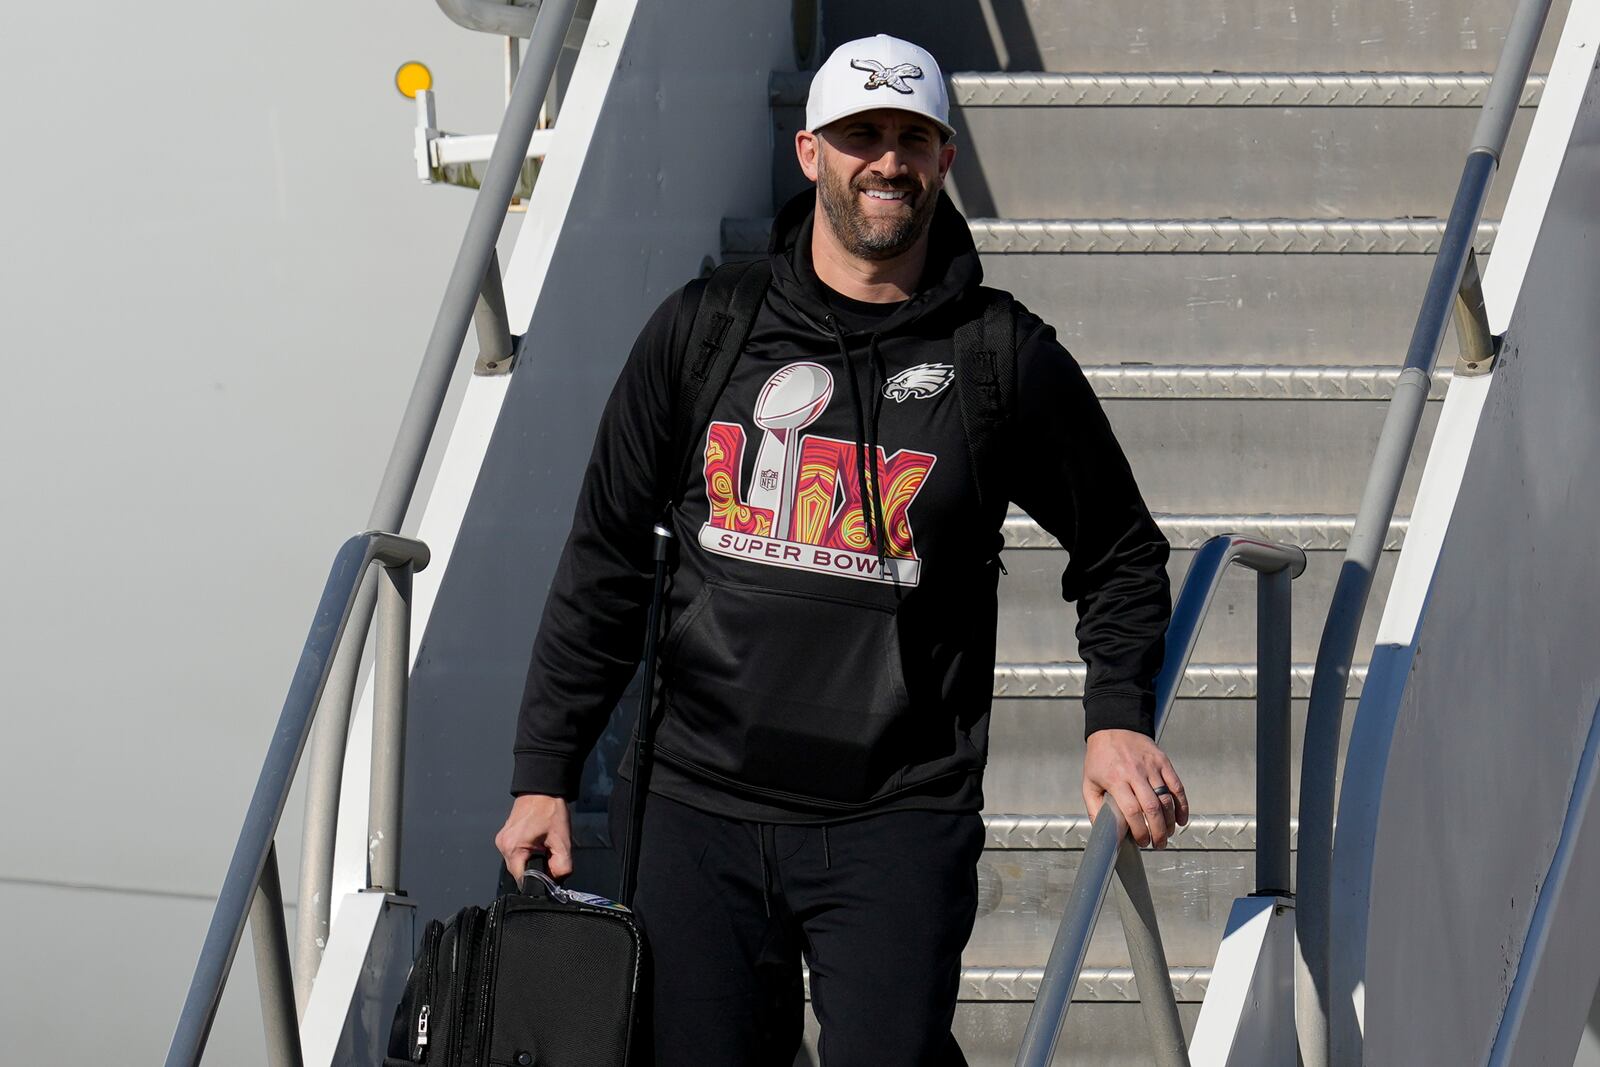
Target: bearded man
(827,665)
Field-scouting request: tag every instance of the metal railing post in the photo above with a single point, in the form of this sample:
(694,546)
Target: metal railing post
(1149,960)
(391,668)
(274,981)
(1071,944)
(1100,855)
(330,735)
(251,881)
(1273,749)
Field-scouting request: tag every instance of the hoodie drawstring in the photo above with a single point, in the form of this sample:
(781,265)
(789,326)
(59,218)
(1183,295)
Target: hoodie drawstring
(866,439)
(875,364)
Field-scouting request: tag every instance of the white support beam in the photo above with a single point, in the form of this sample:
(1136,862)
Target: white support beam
(1247,1019)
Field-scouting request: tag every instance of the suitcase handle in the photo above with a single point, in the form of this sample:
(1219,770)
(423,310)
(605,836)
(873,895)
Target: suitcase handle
(537,882)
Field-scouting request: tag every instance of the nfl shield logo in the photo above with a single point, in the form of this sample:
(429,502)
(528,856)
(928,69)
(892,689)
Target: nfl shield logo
(769,480)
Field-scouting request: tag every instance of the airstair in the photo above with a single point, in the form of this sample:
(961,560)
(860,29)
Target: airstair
(1230,213)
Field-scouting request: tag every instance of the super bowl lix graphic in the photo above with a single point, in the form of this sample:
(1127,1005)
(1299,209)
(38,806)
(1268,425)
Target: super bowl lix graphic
(804,507)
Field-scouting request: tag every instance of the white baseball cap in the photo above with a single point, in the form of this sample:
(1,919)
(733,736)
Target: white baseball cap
(876,72)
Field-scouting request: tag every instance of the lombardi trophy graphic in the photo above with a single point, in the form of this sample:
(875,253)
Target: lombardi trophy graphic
(790,401)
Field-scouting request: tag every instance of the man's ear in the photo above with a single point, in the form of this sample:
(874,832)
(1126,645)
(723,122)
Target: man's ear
(947,155)
(806,149)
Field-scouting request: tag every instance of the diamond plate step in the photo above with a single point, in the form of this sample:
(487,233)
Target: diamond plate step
(976,89)
(1215,681)
(1037,626)
(1036,749)
(1189,236)
(1101,145)
(1310,533)
(1204,35)
(1022,894)
(1323,300)
(1192,454)
(1104,1029)
(1252,382)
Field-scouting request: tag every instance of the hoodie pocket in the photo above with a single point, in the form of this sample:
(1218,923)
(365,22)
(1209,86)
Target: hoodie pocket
(786,693)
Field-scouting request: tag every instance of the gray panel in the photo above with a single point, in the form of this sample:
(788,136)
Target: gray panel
(1036,748)
(1036,625)
(1091,35)
(97,976)
(1237,161)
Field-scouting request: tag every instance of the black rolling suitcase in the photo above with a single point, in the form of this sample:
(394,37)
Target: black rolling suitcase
(544,977)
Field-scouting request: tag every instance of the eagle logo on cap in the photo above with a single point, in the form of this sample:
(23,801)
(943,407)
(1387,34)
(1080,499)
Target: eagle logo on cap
(894,77)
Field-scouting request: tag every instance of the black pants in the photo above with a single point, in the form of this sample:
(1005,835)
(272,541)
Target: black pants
(880,907)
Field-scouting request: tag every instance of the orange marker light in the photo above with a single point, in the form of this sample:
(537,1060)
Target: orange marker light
(412,78)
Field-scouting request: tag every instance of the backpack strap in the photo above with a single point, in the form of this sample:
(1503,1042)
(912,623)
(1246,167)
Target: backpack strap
(986,383)
(729,301)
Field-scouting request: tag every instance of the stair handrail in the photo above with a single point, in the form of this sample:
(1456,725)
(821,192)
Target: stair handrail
(474,288)
(1454,293)
(1276,565)
(250,890)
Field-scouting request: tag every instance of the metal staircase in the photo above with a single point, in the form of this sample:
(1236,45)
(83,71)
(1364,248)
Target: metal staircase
(1236,259)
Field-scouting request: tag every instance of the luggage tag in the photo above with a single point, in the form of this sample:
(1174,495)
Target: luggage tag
(568,896)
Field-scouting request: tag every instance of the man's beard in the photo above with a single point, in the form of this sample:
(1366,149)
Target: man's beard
(874,238)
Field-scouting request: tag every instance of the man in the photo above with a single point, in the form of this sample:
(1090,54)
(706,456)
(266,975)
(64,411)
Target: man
(828,659)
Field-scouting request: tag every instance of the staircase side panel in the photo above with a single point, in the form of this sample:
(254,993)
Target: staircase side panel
(1485,739)
(644,214)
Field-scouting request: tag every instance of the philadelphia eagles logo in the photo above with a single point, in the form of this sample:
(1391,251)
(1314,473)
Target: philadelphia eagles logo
(893,77)
(919,382)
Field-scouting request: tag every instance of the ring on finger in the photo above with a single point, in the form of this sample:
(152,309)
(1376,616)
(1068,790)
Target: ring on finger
(1161,791)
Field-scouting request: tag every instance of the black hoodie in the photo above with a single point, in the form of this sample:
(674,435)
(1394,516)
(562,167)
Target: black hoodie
(820,661)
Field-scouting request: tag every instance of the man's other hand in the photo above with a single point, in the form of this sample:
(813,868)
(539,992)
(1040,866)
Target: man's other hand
(536,824)
(1128,767)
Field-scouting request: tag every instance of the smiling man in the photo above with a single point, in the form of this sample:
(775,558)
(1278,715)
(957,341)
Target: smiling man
(827,665)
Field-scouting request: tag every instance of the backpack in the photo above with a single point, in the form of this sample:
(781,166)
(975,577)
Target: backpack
(728,302)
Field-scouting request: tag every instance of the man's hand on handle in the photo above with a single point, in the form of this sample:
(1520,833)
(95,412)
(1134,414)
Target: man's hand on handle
(1128,767)
(537,823)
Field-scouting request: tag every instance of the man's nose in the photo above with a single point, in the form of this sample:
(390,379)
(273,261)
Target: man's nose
(890,164)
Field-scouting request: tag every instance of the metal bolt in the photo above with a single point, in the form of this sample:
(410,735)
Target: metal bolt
(524,1058)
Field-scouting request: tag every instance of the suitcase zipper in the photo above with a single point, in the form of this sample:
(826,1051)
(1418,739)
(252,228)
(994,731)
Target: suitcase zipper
(486,982)
(460,974)
(430,970)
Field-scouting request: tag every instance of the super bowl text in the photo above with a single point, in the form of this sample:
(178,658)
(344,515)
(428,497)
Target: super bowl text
(806,509)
